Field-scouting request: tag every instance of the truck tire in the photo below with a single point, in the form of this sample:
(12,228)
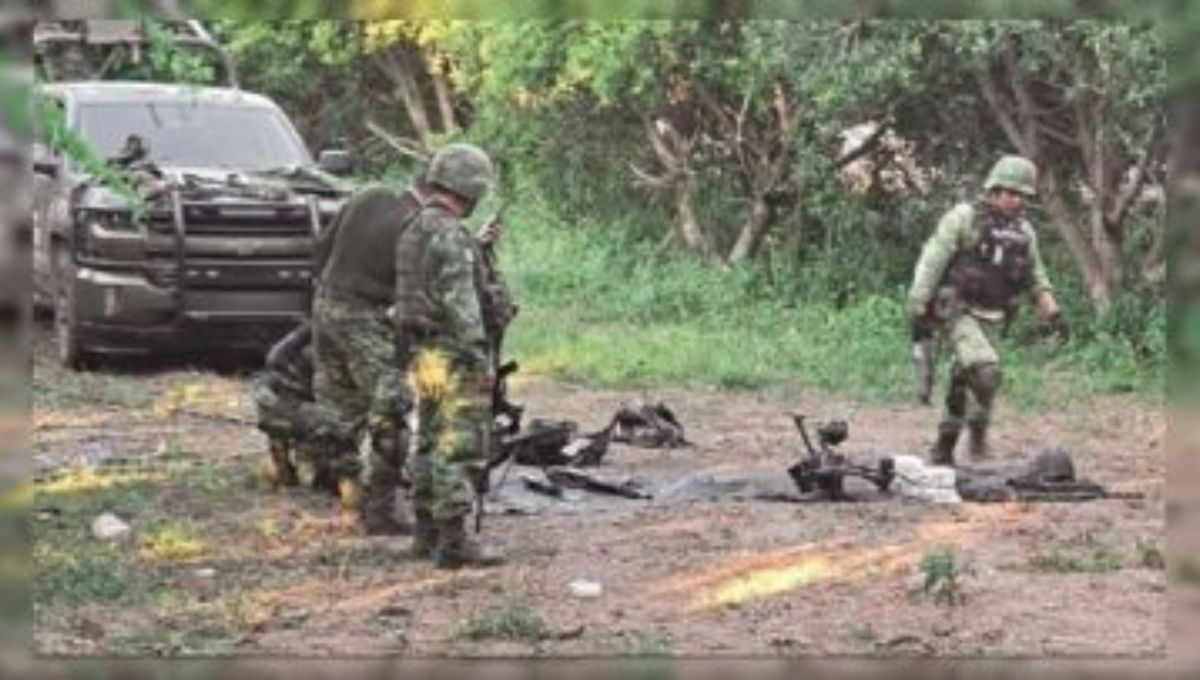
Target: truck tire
(69,347)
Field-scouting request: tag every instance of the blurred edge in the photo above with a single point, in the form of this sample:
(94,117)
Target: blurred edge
(1183,484)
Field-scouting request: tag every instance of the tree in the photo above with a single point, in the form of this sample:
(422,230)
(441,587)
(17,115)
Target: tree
(1085,101)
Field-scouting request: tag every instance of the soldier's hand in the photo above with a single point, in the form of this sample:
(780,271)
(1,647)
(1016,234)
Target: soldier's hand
(491,231)
(920,324)
(1058,326)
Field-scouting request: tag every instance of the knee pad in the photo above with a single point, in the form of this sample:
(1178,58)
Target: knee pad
(985,381)
(956,394)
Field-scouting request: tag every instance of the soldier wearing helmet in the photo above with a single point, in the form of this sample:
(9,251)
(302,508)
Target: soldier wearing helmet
(355,371)
(440,321)
(980,258)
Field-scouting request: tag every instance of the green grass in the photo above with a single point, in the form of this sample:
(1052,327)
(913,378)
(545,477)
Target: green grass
(941,572)
(56,388)
(649,645)
(603,309)
(1098,560)
(865,635)
(70,565)
(510,621)
(77,575)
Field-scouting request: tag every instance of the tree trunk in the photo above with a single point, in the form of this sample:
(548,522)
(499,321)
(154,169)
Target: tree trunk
(689,229)
(445,104)
(752,232)
(1098,287)
(409,92)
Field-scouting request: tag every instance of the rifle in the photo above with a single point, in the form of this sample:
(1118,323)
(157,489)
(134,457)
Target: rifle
(498,312)
(923,358)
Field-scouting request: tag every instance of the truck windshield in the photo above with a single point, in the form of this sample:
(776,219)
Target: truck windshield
(196,135)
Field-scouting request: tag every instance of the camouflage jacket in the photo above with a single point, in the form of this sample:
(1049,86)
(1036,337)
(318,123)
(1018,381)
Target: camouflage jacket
(957,233)
(438,298)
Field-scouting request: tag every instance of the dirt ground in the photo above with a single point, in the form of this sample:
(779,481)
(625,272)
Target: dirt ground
(275,572)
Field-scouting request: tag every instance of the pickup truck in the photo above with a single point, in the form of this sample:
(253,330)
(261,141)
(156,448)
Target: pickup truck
(215,254)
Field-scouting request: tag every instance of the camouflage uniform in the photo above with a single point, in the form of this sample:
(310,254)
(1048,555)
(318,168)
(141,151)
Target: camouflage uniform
(969,273)
(440,317)
(297,428)
(357,375)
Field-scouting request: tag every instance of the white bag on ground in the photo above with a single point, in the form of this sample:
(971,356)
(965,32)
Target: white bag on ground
(918,479)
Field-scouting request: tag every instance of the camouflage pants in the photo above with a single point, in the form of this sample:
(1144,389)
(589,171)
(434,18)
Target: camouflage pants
(971,342)
(294,421)
(453,434)
(357,379)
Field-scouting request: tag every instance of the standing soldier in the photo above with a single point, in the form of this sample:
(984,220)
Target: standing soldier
(440,317)
(979,259)
(354,345)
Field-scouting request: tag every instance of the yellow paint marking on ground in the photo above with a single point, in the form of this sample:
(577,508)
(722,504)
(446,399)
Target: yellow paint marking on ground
(762,575)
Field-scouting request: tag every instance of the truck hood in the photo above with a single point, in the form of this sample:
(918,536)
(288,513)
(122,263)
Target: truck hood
(279,185)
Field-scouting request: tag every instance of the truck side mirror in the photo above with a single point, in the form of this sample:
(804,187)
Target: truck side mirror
(334,161)
(44,162)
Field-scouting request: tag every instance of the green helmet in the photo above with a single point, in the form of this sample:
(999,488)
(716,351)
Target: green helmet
(1013,172)
(463,169)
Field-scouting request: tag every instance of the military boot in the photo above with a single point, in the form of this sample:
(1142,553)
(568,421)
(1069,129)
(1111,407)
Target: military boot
(942,452)
(425,535)
(280,471)
(455,549)
(977,439)
(379,516)
(323,480)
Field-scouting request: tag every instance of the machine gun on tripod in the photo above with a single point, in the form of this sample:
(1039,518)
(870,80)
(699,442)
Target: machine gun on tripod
(825,469)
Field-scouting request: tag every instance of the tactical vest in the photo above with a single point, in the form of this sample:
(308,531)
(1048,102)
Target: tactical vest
(357,258)
(416,316)
(415,313)
(998,267)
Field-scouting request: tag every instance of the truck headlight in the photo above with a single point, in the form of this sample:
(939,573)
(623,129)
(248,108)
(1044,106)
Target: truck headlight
(109,235)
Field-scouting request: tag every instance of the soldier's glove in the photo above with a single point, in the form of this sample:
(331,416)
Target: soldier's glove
(920,326)
(1058,326)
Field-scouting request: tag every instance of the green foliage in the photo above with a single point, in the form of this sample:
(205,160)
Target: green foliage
(865,635)
(1097,559)
(650,645)
(1149,554)
(511,621)
(655,319)
(72,145)
(79,575)
(941,576)
(562,105)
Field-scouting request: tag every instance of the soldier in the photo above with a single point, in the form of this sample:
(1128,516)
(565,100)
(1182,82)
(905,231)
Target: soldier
(440,318)
(297,428)
(979,259)
(355,350)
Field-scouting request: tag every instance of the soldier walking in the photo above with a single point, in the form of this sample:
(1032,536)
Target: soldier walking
(971,270)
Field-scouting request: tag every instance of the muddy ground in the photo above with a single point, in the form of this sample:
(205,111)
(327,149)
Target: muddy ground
(217,563)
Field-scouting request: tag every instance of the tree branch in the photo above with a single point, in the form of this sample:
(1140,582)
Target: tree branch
(867,146)
(1002,112)
(1125,200)
(408,147)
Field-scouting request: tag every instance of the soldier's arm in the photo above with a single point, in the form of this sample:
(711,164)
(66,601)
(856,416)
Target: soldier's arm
(939,249)
(286,352)
(1041,292)
(409,314)
(323,243)
(452,254)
